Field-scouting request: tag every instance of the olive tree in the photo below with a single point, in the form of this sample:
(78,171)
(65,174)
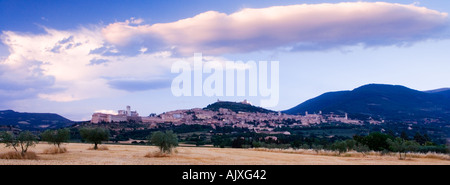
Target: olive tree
(166,141)
(340,146)
(361,148)
(402,146)
(56,137)
(94,135)
(22,141)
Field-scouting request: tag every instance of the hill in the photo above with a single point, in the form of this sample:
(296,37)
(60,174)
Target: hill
(392,102)
(443,91)
(32,121)
(236,107)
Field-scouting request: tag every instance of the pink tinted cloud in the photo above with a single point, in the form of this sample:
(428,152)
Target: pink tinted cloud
(316,25)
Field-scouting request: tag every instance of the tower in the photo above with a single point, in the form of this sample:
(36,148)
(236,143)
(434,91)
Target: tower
(128,110)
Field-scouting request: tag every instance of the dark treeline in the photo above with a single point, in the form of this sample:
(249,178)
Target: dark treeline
(336,137)
(374,141)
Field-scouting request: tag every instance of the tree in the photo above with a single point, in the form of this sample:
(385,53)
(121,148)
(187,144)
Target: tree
(404,136)
(165,141)
(350,144)
(340,146)
(402,146)
(375,141)
(317,148)
(23,141)
(419,138)
(361,148)
(94,135)
(238,142)
(56,137)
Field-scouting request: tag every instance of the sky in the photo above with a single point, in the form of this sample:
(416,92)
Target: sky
(76,57)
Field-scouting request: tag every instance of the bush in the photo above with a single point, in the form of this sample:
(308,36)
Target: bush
(157,154)
(99,148)
(18,155)
(257,144)
(55,150)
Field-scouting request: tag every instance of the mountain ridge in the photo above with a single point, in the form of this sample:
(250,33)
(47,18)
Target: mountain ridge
(33,121)
(383,101)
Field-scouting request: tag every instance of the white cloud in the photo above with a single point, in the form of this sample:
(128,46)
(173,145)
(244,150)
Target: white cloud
(113,112)
(59,65)
(306,26)
(94,61)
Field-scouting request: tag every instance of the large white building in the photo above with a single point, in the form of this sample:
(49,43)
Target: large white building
(122,115)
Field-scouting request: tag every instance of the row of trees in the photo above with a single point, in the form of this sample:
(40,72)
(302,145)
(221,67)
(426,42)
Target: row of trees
(386,143)
(375,141)
(21,142)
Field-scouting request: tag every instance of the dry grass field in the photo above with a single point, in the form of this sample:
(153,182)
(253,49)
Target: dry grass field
(80,154)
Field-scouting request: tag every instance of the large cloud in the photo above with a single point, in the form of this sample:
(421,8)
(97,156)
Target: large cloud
(300,27)
(71,65)
(123,57)
(61,66)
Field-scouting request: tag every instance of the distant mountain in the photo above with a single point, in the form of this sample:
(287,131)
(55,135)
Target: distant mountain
(442,91)
(30,121)
(392,102)
(236,107)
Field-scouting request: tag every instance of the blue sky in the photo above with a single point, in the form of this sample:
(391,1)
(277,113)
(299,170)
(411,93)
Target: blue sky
(76,57)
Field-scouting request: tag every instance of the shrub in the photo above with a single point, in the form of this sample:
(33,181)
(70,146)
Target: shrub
(55,150)
(18,155)
(156,154)
(99,148)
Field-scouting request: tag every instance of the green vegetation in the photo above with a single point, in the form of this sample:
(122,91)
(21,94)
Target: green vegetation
(94,135)
(22,141)
(375,141)
(56,137)
(402,146)
(338,137)
(236,107)
(166,141)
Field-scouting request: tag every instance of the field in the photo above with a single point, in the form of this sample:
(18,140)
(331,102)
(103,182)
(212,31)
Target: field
(79,154)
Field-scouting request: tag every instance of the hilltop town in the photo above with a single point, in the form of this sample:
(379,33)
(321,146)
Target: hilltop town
(259,120)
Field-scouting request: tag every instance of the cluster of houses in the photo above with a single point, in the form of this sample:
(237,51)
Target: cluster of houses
(255,121)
